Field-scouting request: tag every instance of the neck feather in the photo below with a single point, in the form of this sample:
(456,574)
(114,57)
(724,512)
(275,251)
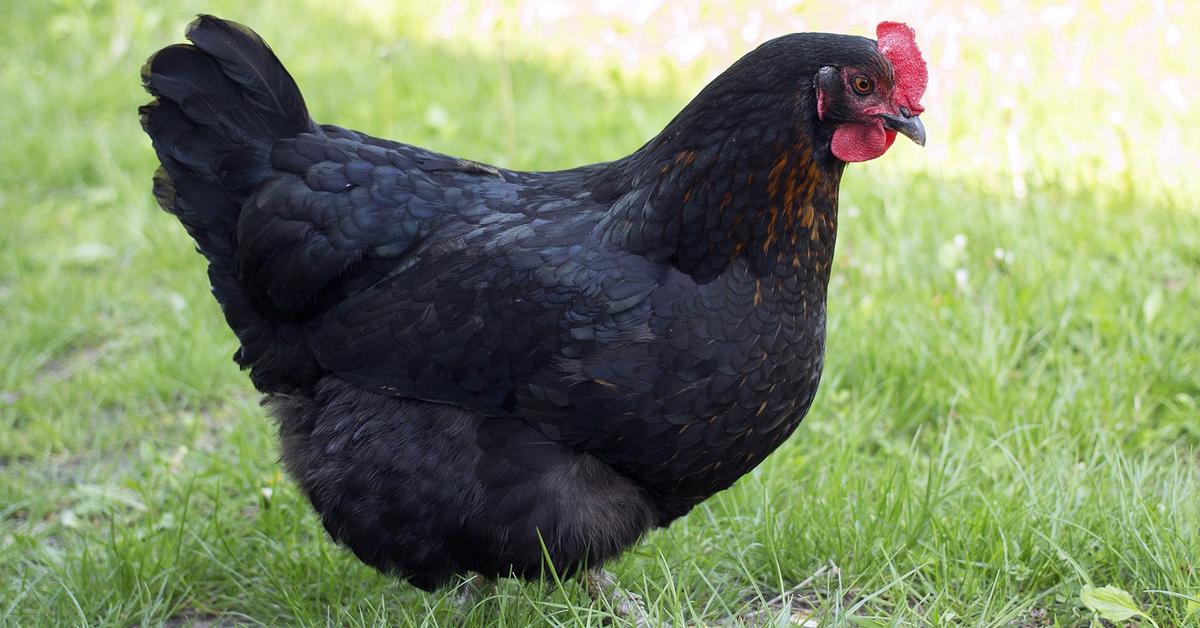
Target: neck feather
(703,193)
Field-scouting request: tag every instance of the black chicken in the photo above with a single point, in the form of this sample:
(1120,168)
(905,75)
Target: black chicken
(466,362)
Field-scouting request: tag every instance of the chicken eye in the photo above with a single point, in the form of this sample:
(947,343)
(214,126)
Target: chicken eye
(863,86)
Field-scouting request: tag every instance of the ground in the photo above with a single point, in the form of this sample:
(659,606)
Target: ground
(1011,407)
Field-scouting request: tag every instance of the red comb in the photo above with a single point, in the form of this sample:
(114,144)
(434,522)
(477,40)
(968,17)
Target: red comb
(898,43)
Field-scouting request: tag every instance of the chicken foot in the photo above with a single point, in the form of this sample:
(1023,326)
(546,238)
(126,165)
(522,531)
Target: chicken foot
(602,586)
(471,593)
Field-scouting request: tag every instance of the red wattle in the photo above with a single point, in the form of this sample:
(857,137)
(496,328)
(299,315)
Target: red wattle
(861,142)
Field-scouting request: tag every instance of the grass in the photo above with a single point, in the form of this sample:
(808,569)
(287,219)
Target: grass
(1010,411)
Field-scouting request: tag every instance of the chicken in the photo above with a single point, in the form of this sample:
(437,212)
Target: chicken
(466,362)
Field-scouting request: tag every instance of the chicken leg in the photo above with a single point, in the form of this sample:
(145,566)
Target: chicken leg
(471,593)
(602,586)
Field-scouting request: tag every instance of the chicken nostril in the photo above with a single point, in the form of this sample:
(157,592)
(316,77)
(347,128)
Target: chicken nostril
(906,112)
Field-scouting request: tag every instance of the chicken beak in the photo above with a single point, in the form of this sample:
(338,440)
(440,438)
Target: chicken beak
(908,125)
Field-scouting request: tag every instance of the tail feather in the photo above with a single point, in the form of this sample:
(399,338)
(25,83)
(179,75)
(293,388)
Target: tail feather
(182,70)
(220,103)
(246,58)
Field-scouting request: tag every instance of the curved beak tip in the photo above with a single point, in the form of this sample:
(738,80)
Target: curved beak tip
(909,126)
(918,134)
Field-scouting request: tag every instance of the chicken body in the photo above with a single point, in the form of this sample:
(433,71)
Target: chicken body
(573,389)
(466,362)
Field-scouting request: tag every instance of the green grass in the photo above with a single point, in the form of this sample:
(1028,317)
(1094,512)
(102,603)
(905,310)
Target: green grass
(995,431)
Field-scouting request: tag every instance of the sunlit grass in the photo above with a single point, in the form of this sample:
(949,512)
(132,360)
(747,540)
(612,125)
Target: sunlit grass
(1011,405)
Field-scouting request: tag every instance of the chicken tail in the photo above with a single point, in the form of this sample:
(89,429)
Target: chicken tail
(220,104)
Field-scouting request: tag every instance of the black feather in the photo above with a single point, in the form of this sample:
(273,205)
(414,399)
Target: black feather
(246,59)
(220,104)
(467,362)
